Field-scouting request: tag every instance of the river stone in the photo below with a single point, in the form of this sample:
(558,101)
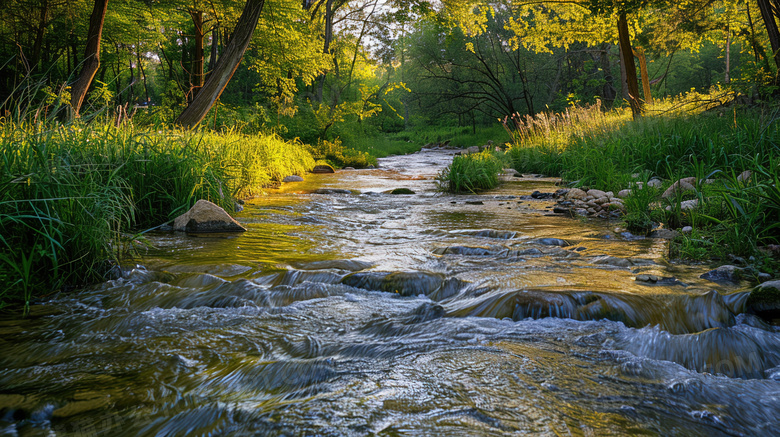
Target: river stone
(338,264)
(622,262)
(655,183)
(402,191)
(551,242)
(624,193)
(331,191)
(596,193)
(682,185)
(293,178)
(764,302)
(665,234)
(464,250)
(686,205)
(434,285)
(205,216)
(647,278)
(576,194)
(727,273)
(323,168)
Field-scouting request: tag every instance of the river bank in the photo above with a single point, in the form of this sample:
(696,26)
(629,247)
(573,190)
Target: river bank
(76,198)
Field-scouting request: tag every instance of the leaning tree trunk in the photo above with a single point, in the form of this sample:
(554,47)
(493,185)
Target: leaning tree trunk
(226,65)
(628,61)
(91,56)
(768,12)
(640,54)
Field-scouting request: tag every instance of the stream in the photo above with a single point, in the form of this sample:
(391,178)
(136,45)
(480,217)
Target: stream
(345,310)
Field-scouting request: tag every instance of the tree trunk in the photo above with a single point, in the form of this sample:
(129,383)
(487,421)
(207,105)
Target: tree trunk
(91,56)
(609,92)
(197,56)
(771,27)
(727,78)
(143,73)
(640,54)
(326,44)
(40,32)
(628,60)
(226,66)
(214,48)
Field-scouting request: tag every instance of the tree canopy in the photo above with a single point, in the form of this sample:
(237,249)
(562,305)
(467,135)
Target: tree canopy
(306,68)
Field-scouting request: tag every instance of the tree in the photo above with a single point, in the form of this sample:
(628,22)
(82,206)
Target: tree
(225,67)
(91,62)
(770,10)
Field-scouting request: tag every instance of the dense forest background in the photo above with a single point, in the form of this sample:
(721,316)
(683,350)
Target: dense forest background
(327,69)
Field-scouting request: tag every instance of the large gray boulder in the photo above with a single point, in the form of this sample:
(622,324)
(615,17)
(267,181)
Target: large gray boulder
(205,216)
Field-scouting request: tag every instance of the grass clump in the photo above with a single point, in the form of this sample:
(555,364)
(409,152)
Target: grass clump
(73,195)
(471,173)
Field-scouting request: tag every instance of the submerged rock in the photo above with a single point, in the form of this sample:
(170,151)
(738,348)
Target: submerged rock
(331,191)
(205,216)
(621,262)
(718,350)
(551,242)
(764,302)
(434,285)
(337,264)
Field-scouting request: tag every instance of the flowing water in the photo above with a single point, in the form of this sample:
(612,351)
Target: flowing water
(350,311)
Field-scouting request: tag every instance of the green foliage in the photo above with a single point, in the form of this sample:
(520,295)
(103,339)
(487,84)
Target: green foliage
(639,217)
(335,154)
(73,193)
(471,173)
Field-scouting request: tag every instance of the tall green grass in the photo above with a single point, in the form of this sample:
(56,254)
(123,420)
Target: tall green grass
(471,173)
(73,195)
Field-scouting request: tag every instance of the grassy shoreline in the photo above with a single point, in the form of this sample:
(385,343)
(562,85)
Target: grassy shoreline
(735,217)
(74,195)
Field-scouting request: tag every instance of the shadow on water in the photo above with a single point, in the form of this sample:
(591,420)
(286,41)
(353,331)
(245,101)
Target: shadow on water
(352,311)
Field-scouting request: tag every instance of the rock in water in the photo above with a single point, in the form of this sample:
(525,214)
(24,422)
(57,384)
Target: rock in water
(764,301)
(205,216)
(726,273)
(402,191)
(323,168)
(293,178)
